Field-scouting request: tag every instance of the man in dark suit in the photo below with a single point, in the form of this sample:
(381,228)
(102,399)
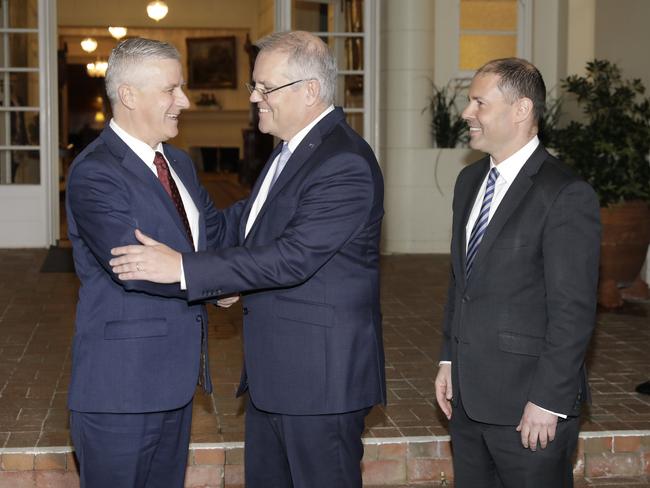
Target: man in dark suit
(308,265)
(138,347)
(522,294)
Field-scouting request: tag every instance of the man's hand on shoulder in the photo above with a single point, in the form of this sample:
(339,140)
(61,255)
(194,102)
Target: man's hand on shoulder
(536,424)
(151,261)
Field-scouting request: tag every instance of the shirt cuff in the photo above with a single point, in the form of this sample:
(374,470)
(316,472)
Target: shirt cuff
(183,283)
(440,363)
(561,415)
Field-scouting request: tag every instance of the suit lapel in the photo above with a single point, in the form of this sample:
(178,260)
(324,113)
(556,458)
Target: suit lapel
(132,163)
(303,152)
(255,191)
(511,201)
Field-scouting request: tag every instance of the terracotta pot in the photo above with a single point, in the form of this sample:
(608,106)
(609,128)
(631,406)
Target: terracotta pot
(626,234)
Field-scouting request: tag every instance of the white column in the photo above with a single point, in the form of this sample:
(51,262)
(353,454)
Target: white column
(406,71)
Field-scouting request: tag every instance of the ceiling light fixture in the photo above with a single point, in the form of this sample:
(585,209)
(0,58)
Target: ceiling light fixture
(89,44)
(118,32)
(157,10)
(97,69)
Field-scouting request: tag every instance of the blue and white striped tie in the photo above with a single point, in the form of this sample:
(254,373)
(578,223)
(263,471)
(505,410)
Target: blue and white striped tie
(481,223)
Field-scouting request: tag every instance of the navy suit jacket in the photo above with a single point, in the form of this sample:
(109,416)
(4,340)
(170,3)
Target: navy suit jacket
(518,329)
(137,344)
(310,270)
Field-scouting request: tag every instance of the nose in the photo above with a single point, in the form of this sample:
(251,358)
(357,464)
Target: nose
(255,97)
(181,100)
(467,113)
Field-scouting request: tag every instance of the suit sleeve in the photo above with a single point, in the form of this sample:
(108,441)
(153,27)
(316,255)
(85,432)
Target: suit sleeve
(101,209)
(331,209)
(448,315)
(571,250)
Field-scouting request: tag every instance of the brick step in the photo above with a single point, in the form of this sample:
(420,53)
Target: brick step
(604,459)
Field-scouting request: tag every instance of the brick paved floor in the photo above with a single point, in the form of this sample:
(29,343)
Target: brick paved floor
(36,325)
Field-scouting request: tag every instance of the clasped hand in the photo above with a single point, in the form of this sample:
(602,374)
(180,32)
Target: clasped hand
(151,261)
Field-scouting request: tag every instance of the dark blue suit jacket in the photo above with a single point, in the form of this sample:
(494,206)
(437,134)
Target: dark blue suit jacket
(136,345)
(310,270)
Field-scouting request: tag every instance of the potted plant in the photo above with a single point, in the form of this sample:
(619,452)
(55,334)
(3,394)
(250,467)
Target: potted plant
(610,148)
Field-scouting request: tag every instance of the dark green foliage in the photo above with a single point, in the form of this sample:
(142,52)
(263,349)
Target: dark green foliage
(611,148)
(448,129)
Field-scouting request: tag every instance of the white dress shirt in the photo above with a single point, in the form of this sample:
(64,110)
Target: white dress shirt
(508,170)
(147,155)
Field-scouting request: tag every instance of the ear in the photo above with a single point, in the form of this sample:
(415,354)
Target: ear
(524,109)
(127,96)
(312,96)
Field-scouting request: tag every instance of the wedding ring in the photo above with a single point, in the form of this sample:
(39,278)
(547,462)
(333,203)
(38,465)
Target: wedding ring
(138,267)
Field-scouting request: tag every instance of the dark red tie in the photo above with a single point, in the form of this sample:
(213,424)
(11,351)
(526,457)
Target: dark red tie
(170,187)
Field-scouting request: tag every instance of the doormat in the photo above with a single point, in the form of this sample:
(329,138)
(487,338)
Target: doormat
(58,260)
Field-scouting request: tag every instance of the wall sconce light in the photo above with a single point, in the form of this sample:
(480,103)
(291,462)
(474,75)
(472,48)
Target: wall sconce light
(157,10)
(97,69)
(118,32)
(89,44)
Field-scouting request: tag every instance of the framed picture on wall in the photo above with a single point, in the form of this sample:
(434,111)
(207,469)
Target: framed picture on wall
(212,62)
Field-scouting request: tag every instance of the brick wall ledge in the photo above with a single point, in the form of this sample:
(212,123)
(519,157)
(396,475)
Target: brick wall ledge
(387,461)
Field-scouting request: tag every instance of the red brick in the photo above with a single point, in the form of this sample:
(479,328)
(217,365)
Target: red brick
(383,472)
(234,474)
(204,477)
(215,457)
(71,462)
(426,450)
(646,463)
(598,445)
(50,461)
(392,451)
(16,479)
(370,452)
(612,464)
(17,462)
(56,479)
(627,444)
(235,456)
(429,470)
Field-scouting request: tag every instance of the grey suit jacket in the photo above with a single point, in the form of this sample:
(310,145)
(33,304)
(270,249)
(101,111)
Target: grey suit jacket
(518,329)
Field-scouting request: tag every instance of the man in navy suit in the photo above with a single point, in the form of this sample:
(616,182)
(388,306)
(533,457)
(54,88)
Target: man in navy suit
(522,294)
(138,347)
(308,265)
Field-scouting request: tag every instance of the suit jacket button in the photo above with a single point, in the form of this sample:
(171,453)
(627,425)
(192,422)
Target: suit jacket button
(465,299)
(245,310)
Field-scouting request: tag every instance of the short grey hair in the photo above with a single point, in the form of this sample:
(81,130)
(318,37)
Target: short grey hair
(309,58)
(129,53)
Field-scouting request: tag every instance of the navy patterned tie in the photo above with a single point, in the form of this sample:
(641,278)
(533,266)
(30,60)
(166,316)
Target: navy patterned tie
(170,187)
(481,223)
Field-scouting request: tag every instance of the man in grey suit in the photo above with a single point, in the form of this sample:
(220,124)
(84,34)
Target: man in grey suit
(522,293)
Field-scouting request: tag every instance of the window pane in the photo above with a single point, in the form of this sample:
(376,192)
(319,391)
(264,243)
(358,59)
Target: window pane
(477,50)
(356,122)
(22,13)
(20,167)
(328,15)
(23,50)
(19,129)
(499,15)
(350,91)
(23,90)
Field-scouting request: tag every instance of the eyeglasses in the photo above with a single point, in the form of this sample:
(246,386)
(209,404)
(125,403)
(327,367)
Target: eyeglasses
(265,93)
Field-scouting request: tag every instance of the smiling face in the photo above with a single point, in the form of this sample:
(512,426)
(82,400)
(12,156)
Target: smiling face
(284,112)
(157,100)
(494,123)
